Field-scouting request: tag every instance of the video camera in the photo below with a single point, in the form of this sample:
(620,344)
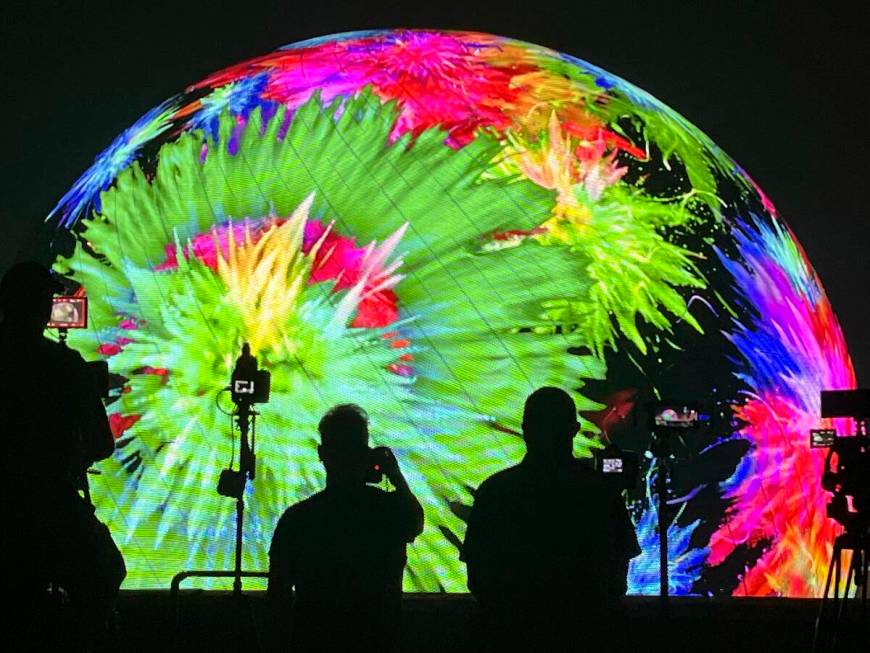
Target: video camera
(248,384)
(850,475)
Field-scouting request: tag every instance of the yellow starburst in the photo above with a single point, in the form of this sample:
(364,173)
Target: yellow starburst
(550,163)
(264,279)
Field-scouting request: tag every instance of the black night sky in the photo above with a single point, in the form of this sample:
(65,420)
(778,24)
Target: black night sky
(783,90)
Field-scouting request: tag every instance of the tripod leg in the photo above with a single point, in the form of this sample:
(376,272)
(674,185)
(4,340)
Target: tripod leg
(821,635)
(841,608)
(240,521)
(865,553)
(865,614)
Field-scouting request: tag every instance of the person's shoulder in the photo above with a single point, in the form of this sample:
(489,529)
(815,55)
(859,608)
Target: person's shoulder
(301,509)
(294,520)
(506,475)
(61,353)
(503,480)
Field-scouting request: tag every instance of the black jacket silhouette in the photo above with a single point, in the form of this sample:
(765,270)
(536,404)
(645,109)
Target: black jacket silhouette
(339,555)
(548,541)
(54,427)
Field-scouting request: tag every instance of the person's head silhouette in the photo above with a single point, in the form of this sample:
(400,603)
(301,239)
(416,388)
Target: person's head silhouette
(549,425)
(344,444)
(26,292)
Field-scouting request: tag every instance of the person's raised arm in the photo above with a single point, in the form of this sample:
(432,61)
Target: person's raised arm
(101,441)
(411,510)
(97,440)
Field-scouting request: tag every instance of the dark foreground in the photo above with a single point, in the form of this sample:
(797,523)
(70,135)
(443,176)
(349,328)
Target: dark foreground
(209,621)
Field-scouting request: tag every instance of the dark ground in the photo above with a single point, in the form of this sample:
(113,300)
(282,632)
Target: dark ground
(209,621)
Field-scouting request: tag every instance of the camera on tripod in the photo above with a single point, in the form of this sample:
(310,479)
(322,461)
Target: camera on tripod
(849,482)
(249,385)
(850,475)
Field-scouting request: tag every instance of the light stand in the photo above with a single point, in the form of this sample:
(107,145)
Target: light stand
(661,449)
(246,418)
(668,418)
(248,386)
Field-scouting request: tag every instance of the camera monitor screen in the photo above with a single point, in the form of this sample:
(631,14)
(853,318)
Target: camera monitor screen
(822,437)
(432,225)
(69,313)
(611,465)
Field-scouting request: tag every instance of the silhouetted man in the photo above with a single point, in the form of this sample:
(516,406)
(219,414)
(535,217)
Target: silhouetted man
(548,541)
(343,549)
(54,427)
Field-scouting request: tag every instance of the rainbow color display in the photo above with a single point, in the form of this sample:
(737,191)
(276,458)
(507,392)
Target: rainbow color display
(432,224)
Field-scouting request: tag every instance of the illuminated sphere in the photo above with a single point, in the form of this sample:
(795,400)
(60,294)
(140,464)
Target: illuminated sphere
(431,225)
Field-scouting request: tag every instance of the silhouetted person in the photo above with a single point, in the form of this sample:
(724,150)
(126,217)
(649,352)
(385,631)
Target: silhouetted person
(343,549)
(548,541)
(54,427)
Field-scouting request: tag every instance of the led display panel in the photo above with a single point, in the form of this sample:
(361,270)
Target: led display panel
(433,224)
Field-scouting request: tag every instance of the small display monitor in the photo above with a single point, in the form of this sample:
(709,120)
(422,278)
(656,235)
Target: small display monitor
(675,416)
(821,438)
(69,313)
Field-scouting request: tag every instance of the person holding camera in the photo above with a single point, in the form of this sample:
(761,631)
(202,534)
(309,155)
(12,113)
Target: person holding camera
(548,542)
(54,427)
(338,556)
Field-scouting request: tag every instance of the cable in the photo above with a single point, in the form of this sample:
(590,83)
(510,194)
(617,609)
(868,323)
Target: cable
(218,403)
